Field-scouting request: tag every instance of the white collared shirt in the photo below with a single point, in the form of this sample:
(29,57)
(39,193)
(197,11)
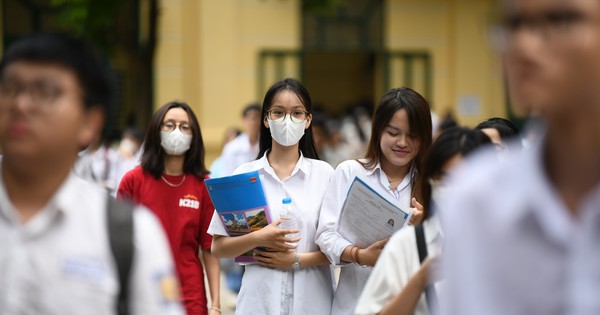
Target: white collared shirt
(60,261)
(512,246)
(352,277)
(98,166)
(237,152)
(273,291)
(398,262)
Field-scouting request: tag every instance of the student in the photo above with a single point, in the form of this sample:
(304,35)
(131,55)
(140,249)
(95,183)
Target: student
(502,132)
(244,148)
(129,154)
(217,168)
(522,236)
(55,255)
(97,162)
(398,281)
(170,181)
(400,138)
(293,276)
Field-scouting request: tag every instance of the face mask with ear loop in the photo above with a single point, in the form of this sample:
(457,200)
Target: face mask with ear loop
(287,133)
(175,142)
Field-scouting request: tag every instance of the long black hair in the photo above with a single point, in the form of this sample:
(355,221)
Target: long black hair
(307,142)
(153,155)
(419,120)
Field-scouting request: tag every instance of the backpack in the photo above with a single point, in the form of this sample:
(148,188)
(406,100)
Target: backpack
(120,235)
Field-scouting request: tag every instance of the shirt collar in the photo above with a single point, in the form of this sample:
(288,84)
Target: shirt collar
(542,203)
(377,167)
(302,165)
(59,205)
(7,210)
(406,181)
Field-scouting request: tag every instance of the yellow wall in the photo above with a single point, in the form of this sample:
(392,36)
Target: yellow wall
(208,51)
(465,69)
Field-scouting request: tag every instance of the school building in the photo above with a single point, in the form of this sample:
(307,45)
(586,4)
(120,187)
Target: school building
(220,55)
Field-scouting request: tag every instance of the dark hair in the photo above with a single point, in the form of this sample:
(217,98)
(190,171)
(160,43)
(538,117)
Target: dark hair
(153,154)
(419,120)
(448,121)
(307,142)
(72,53)
(135,133)
(249,108)
(506,129)
(452,141)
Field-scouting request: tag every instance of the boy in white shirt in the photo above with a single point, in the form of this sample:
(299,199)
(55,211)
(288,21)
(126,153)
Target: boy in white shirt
(522,237)
(56,257)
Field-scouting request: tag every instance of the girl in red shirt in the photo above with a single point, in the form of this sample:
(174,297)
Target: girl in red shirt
(170,182)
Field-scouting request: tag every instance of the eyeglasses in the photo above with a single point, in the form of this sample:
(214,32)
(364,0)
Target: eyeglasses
(40,92)
(169,125)
(553,28)
(278,115)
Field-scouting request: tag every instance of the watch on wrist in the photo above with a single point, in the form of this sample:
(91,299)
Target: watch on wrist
(296,264)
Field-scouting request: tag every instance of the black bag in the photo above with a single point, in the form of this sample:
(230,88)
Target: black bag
(120,235)
(430,294)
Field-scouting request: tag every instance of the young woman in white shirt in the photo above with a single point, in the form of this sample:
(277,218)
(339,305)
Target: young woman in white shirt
(398,281)
(290,278)
(400,137)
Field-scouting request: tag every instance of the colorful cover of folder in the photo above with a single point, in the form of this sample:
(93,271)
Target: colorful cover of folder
(241,205)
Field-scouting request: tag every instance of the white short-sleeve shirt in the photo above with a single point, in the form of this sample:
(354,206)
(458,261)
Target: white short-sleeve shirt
(274,291)
(60,261)
(511,245)
(396,265)
(353,278)
(237,152)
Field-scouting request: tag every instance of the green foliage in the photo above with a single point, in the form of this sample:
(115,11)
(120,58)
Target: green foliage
(93,20)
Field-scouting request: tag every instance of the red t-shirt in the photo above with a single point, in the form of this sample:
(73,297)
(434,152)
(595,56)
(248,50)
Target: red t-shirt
(185,213)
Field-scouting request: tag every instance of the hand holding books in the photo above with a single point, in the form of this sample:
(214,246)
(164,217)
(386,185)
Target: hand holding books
(369,255)
(367,217)
(279,260)
(417,212)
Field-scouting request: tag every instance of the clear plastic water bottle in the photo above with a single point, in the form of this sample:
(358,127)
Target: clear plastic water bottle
(288,217)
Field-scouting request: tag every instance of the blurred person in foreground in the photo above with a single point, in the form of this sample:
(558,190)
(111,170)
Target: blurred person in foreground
(55,256)
(522,237)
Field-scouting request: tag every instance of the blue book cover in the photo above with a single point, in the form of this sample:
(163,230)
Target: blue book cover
(241,205)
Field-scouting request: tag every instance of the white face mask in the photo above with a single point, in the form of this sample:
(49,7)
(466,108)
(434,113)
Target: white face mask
(128,147)
(440,192)
(287,132)
(175,142)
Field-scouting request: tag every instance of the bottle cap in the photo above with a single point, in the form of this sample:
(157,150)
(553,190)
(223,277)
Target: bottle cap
(286,201)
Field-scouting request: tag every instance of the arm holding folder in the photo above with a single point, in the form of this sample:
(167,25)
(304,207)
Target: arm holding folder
(242,208)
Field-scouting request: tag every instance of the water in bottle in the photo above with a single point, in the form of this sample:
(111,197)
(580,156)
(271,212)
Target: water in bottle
(288,217)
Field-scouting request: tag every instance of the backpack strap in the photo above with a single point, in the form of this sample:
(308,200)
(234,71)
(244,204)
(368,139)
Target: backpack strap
(430,293)
(120,235)
(421,245)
